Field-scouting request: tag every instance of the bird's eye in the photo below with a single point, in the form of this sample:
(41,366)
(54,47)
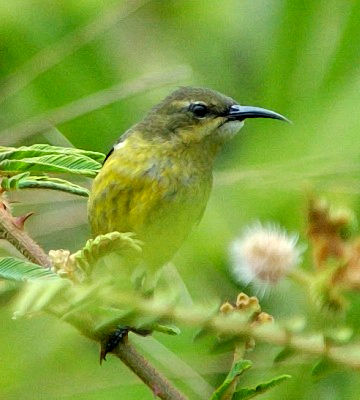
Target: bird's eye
(199,110)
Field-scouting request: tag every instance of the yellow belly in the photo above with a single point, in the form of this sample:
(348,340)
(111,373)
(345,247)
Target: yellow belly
(156,198)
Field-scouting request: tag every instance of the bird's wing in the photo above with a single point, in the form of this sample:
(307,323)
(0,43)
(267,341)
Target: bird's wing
(121,139)
(122,196)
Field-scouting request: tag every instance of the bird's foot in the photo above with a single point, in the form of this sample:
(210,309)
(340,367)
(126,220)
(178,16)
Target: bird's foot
(117,336)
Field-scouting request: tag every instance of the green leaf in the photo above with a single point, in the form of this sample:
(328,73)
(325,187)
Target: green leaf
(37,150)
(322,367)
(51,159)
(131,318)
(12,183)
(121,243)
(21,270)
(225,344)
(74,164)
(25,181)
(166,329)
(227,388)
(120,318)
(246,394)
(38,294)
(284,354)
(339,335)
(202,333)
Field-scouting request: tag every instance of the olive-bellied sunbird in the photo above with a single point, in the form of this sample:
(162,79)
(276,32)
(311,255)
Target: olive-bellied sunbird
(157,179)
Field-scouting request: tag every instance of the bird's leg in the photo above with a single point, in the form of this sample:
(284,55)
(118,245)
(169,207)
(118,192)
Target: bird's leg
(118,333)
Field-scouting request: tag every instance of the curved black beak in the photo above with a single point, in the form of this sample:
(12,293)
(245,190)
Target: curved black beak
(237,112)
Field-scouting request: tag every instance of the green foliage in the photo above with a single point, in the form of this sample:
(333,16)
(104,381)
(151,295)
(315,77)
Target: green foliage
(114,242)
(284,354)
(37,296)
(322,368)
(227,388)
(21,270)
(21,163)
(338,335)
(86,296)
(171,330)
(246,394)
(39,150)
(26,181)
(49,159)
(298,58)
(74,164)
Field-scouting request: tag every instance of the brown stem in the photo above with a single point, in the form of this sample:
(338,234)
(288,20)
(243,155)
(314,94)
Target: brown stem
(161,388)
(272,333)
(17,236)
(127,353)
(159,385)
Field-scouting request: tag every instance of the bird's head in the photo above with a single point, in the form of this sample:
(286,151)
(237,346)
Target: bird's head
(192,114)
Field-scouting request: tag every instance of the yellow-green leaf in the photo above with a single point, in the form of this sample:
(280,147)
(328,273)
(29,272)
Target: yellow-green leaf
(74,164)
(26,181)
(237,369)
(247,394)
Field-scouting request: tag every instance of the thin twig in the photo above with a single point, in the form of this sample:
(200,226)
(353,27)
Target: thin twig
(93,102)
(55,53)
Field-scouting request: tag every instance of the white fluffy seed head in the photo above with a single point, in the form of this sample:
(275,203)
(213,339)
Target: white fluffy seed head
(264,255)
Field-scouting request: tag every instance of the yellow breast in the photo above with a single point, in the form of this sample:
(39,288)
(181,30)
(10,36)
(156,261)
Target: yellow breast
(157,192)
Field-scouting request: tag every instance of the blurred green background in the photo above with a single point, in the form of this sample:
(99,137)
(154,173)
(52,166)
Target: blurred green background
(300,58)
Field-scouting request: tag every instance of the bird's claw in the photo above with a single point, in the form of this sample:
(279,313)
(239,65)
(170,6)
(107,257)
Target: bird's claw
(119,335)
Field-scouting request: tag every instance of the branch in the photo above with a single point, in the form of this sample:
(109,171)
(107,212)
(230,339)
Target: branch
(127,353)
(148,374)
(11,229)
(313,344)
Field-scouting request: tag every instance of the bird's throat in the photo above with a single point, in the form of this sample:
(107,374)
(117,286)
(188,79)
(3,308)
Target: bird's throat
(229,129)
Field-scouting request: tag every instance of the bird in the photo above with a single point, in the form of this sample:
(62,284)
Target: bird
(156,180)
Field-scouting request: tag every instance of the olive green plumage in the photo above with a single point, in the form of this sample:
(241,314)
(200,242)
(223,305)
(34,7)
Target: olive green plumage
(157,180)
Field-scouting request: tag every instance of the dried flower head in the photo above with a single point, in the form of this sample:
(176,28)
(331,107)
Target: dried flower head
(63,263)
(249,308)
(264,255)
